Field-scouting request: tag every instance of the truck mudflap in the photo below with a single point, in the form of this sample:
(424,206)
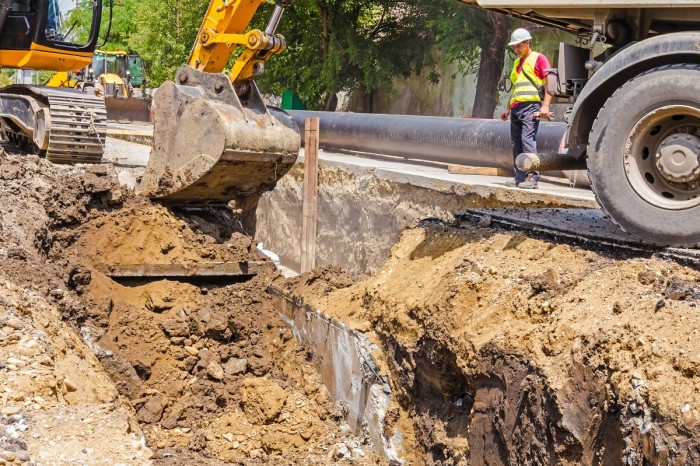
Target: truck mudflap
(211,147)
(122,109)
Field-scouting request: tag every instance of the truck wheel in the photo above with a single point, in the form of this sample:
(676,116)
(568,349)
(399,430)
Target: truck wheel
(644,156)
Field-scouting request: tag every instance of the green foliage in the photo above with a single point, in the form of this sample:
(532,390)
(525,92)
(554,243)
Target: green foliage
(348,45)
(461,32)
(165,31)
(79,21)
(333,45)
(6,77)
(123,26)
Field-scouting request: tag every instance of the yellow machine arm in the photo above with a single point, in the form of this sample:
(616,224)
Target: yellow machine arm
(215,140)
(223,29)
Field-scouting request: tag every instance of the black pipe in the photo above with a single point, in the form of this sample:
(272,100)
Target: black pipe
(549,161)
(460,141)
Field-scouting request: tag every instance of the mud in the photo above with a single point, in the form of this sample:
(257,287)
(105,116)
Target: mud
(504,349)
(190,373)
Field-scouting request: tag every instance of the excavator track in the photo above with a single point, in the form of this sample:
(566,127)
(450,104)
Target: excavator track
(66,125)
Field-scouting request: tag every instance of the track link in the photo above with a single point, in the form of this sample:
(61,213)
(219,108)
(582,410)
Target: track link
(75,123)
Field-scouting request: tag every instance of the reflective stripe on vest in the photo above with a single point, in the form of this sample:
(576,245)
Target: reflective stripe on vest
(523,89)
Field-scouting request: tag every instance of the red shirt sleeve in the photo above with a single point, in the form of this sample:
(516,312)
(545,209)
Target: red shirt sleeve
(541,66)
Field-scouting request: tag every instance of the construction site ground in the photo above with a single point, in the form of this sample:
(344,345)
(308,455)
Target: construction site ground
(493,344)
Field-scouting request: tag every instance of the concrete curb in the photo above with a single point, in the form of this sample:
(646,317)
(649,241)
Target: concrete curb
(144,137)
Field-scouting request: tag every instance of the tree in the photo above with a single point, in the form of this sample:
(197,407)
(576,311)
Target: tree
(348,45)
(165,31)
(476,39)
(79,20)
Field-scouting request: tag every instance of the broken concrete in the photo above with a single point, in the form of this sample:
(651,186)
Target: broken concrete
(363,205)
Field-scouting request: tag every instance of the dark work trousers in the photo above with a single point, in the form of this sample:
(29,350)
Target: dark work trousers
(523,133)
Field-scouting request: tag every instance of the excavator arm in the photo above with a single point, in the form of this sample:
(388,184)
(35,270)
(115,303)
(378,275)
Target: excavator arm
(216,142)
(224,27)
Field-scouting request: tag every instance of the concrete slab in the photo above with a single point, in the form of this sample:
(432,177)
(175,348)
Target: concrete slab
(125,153)
(138,132)
(552,191)
(175,271)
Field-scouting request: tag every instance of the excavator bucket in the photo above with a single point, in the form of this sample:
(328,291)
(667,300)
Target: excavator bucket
(123,109)
(211,147)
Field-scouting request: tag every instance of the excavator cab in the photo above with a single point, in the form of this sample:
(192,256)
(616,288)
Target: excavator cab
(216,142)
(63,124)
(34,34)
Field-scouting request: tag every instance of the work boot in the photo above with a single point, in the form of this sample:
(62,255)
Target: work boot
(529,183)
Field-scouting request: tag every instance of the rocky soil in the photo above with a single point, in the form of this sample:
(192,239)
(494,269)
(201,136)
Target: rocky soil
(500,348)
(504,349)
(95,371)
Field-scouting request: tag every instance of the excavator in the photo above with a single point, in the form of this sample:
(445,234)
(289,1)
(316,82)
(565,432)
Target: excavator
(634,121)
(215,140)
(65,125)
(117,76)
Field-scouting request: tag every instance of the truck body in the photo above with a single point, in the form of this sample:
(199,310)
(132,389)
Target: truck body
(635,113)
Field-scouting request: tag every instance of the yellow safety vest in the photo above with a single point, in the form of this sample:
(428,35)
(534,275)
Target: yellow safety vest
(523,89)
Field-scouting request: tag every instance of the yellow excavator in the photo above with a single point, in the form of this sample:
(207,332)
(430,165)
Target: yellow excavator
(65,125)
(115,75)
(215,140)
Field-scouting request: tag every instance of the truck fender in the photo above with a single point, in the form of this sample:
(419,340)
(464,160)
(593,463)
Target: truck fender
(666,49)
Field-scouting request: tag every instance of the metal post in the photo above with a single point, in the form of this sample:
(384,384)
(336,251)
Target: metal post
(308,224)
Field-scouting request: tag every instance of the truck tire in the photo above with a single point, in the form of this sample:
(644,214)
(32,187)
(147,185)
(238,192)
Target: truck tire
(644,156)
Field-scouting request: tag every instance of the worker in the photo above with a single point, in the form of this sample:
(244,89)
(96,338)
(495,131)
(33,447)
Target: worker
(529,101)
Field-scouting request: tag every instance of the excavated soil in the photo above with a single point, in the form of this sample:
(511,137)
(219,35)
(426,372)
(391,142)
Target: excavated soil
(96,371)
(504,349)
(500,348)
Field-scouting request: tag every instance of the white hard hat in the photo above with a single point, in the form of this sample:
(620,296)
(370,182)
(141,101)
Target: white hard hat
(519,35)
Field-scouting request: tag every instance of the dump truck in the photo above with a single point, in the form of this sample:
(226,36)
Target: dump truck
(635,114)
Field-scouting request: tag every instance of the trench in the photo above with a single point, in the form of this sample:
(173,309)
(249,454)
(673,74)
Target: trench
(443,343)
(487,405)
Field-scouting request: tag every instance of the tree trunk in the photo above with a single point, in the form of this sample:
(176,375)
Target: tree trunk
(490,67)
(331,104)
(369,101)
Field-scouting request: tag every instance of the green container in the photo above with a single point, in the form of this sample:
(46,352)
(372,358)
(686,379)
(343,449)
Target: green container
(291,101)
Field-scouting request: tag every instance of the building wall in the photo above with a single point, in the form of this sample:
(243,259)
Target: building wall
(455,93)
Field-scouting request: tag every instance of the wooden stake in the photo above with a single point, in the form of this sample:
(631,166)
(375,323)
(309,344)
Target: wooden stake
(308,224)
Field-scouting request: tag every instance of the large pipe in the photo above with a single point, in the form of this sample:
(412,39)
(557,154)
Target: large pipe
(460,141)
(528,162)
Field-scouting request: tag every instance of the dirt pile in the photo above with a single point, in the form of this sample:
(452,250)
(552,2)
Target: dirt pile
(511,350)
(56,403)
(164,372)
